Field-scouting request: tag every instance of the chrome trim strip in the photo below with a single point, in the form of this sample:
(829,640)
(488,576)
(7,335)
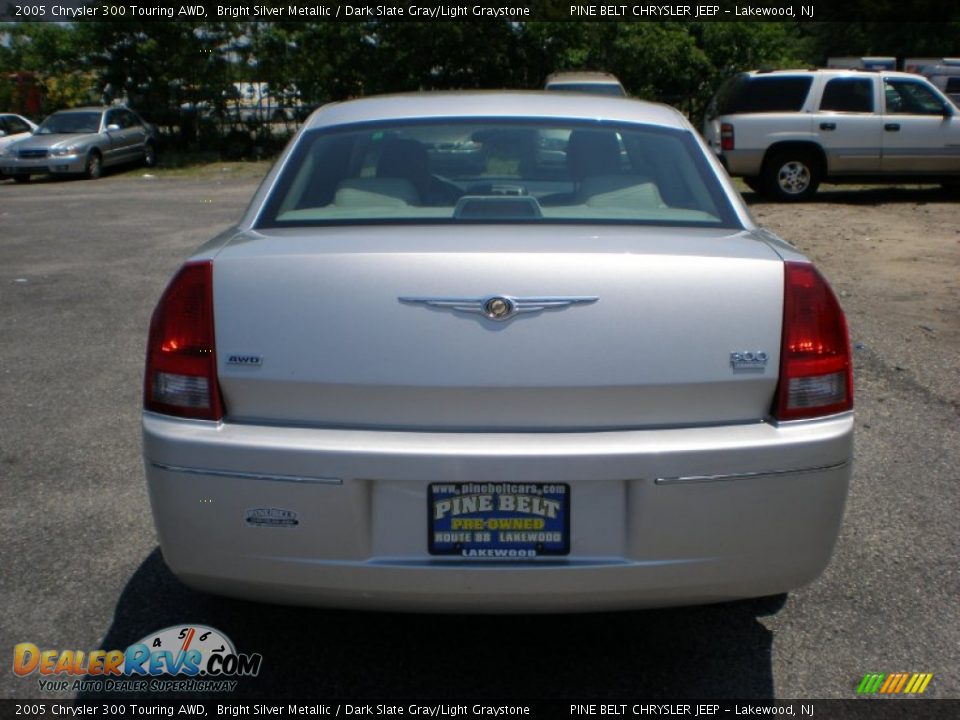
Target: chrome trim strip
(742,476)
(248,475)
(501,307)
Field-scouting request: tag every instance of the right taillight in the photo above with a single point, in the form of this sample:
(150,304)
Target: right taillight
(726,137)
(181,375)
(816,374)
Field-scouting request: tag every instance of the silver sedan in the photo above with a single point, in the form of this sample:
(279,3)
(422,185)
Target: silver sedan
(14,128)
(82,141)
(497,352)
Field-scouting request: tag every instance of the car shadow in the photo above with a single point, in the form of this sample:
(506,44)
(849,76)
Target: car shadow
(47,178)
(716,651)
(843,195)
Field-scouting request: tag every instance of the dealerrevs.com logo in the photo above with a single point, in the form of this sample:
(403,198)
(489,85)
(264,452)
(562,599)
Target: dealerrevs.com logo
(180,658)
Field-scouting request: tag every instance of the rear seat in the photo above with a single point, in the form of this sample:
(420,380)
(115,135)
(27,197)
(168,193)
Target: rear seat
(626,191)
(375,192)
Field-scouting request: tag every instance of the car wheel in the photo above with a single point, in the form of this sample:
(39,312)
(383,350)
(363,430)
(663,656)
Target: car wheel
(755,184)
(149,155)
(94,168)
(791,176)
(21,178)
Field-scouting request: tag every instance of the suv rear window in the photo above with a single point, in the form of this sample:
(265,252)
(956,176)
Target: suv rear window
(758,94)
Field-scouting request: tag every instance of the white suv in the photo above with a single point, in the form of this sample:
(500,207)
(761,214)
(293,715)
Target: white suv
(786,131)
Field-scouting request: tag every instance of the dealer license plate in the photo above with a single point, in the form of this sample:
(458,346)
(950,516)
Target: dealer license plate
(498,520)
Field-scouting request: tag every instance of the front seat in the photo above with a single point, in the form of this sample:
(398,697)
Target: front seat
(593,152)
(409,160)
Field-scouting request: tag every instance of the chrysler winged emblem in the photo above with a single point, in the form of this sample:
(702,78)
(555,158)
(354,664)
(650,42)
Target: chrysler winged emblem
(501,307)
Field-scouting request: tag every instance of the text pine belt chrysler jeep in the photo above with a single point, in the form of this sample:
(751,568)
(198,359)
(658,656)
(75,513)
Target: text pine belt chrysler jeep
(786,131)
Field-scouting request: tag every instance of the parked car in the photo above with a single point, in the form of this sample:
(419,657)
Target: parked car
(592,83)
(14,128)
(786,131)
(81,141)
(451,373)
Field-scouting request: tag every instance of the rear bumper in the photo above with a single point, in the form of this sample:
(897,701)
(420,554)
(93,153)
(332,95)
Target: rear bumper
(742,163)
(658,517)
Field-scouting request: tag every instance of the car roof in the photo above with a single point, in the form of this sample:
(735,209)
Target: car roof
(89,108)
(496,104)
(848,72)
(583,77)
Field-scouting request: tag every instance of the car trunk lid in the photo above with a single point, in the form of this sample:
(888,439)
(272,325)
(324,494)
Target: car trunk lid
(311,328)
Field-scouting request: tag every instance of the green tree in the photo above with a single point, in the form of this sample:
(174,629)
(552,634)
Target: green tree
(732,47)
(156,66)
(897,39)
(47,51)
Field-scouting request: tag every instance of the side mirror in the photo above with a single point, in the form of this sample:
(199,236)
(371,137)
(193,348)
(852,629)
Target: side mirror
(946,111)
(112,126)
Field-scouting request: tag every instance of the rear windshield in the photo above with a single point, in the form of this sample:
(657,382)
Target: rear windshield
(759,94)
(497,171)
(613,89)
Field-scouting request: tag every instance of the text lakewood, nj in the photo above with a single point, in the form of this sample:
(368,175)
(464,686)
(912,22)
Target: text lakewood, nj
(692,11)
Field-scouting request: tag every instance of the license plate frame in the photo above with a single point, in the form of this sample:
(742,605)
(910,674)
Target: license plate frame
(498,520)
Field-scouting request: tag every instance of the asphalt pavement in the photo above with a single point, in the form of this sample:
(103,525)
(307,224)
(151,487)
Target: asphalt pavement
(82,264)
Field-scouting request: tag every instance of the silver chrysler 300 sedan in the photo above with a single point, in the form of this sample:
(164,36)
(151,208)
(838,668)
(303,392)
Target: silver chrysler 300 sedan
(82,141)
(497,352)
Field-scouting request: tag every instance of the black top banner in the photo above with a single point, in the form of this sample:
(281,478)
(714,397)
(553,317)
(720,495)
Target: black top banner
(484,11)
(608,709)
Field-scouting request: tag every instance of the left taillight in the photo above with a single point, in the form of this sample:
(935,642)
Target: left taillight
(181,374)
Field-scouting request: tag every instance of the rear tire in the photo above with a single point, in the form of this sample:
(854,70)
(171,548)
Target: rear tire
(21,178)
(791,175)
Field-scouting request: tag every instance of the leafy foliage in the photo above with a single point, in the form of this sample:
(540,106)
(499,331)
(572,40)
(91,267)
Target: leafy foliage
(172,71)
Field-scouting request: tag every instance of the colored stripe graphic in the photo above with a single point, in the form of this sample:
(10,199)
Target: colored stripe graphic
(894,683)
(900,682)
(870,683)
(888,683)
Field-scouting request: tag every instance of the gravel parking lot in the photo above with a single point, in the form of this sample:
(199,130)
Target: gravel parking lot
(81,266)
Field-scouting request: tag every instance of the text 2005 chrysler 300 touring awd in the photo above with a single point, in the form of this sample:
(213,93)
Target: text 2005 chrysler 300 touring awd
(497,352)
